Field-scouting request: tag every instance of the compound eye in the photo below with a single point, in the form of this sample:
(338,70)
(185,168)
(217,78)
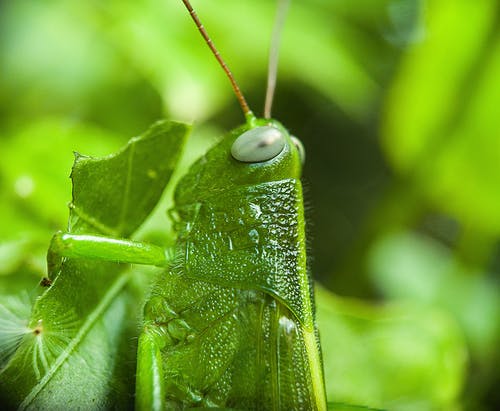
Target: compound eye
(258,144)
(300,148)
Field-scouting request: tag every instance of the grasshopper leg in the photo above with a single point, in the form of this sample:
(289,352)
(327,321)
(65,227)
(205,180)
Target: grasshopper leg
(150,386)
(104,248)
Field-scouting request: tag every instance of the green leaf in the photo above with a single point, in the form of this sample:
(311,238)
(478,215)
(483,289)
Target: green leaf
(336,406)
(440,129)
(144,30)
(76,349)
(34,173)
(367,347)
(54,58)
(114,195)
(411,267)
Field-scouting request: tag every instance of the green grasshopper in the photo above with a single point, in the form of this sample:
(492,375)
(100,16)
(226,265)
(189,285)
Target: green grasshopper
(230,323)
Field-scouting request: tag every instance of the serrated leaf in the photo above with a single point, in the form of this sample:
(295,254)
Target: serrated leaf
(115,194)
(79,345)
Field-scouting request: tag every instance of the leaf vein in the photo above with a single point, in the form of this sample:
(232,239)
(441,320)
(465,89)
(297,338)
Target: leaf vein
(123,214)
(92,221)
(86,326)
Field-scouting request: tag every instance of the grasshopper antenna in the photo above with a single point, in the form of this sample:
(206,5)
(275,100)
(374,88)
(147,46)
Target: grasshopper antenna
(239,95)
(274,55)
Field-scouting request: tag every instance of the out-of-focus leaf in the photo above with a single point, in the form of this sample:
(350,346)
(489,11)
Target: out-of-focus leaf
(466,179)
(82,321)
(56,63)
(441,123)
(13,254)
(35,169)
(398,357)
(193,85)
(431,77)
(409,267)
(334,406)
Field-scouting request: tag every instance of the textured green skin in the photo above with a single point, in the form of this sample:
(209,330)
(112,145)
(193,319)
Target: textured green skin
(229,316)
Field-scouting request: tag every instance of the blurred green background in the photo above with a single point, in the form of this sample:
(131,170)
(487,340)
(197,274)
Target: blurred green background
(398,105)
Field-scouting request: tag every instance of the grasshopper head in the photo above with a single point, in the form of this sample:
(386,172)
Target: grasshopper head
(258,152)
(264,141)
